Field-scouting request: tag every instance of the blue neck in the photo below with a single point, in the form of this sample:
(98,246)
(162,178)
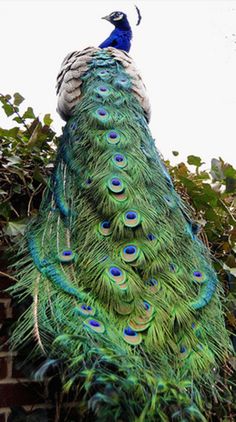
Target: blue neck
(123,25)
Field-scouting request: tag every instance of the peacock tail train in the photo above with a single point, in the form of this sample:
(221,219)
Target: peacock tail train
(123,291)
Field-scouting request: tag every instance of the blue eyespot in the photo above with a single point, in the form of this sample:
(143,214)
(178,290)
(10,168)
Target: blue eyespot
(197,274)
(146,305)
(86,308)
(129,332)
(103,89)
(119,158)
(67,253)
(102,112)
(94,323)
(152,282)
(116,182)
(151,236)
(113,135)
(115,272)
(130,250)
(106,224)
(131,215)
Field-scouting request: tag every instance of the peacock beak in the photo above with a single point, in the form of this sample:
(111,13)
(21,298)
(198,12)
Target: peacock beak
(107,18)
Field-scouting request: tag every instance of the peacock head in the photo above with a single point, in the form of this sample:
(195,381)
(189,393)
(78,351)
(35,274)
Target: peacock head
(118,19)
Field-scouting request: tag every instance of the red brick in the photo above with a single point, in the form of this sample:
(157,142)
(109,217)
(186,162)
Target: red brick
(16,371)
(3,367)
(4,294)
(17,311)
(4,345)
(2,312)
(6,282)
(21,393)
(5,308)
(2,417)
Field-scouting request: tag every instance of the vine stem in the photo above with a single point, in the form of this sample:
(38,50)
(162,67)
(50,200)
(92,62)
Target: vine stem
(227,209)
(31,198)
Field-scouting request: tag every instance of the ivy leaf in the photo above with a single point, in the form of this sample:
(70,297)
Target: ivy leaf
(4,98)
(37,175)
(17,119)
(47,120)
(216,169)
(229,171)
(14,228)
(5,210)
(3,132)
(13,160)
(193,160)
(230,262)
(175,153)
(182,169)
(17,189)
(12,133)
(29,114)
(230,184)
(9,110)
(189,184)
(209,195)
(18,99)
(35,135)
(203,175)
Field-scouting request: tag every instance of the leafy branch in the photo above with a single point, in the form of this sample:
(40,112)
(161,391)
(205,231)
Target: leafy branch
(12,107)
(27,153)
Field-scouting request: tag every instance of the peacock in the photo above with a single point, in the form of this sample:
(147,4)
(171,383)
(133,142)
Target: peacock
(121,36)
(123,291)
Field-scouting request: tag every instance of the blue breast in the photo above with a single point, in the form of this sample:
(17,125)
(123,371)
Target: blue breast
(119,39)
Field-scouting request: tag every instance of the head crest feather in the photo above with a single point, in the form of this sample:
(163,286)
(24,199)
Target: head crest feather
(139,15)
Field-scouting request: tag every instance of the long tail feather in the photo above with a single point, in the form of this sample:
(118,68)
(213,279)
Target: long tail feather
(124,292)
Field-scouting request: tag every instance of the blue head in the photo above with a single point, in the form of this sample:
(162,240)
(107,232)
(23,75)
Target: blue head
(119,20)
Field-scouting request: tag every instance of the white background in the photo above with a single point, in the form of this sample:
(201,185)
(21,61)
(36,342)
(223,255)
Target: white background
(185,50)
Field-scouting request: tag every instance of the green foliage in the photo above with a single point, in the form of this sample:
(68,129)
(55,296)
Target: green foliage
(27,153)
(212,196)
(211,193)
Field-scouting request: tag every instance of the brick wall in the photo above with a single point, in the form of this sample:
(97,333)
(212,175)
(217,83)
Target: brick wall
(15,389)
(19,395)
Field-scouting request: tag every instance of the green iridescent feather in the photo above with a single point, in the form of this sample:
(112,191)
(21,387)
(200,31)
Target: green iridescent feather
(118,279)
